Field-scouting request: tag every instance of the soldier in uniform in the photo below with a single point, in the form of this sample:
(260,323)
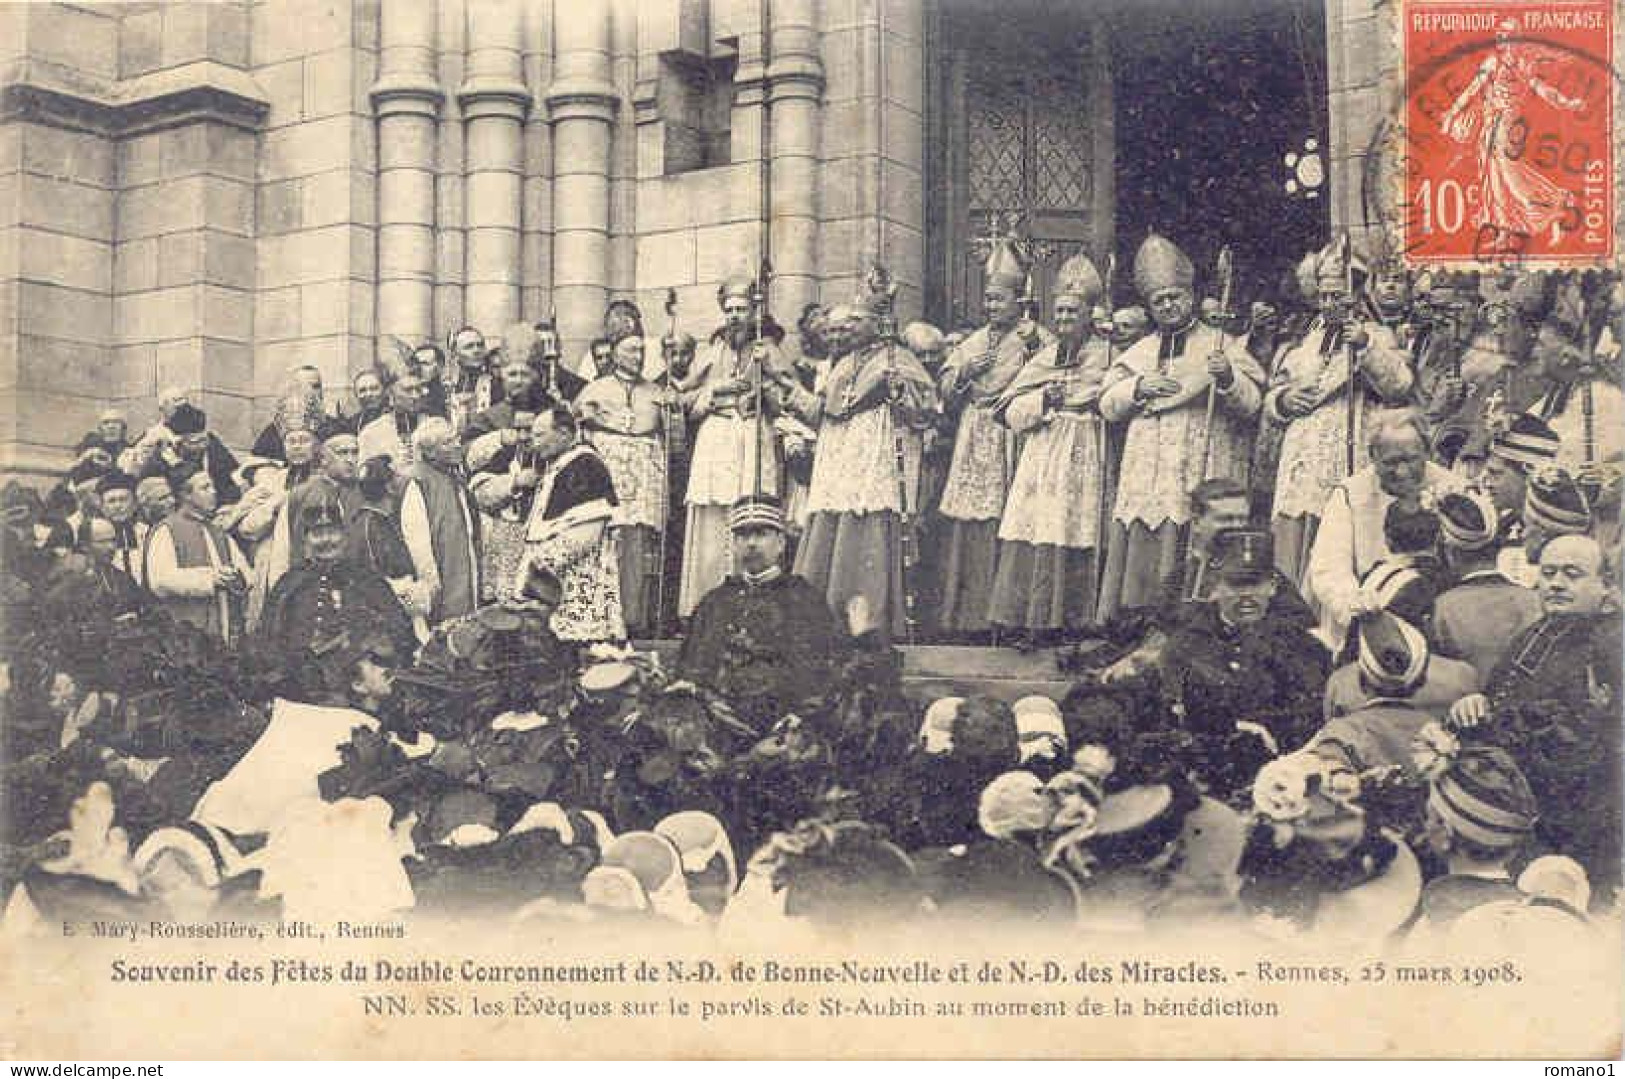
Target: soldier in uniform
(1247,687)
(318,604)
(764,639)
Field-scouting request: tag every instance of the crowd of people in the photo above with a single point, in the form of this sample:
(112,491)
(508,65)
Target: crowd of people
(1334,577)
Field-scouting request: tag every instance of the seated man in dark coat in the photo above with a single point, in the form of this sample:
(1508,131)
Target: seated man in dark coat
(318,604)
(764,639)
(1139,635)
(1245,686)
(91,586)
(1553,702)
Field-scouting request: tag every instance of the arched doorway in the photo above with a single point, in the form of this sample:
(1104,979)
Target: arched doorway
(1098,122)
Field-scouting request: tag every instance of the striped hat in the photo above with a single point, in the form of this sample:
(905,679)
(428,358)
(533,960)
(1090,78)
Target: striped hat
(1394,581)
(1555,502)
(1484,798)
(1467,520)
(1529,441)
(756,511)
(1393,654)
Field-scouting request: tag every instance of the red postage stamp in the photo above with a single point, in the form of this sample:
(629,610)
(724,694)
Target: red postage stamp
(1509,147)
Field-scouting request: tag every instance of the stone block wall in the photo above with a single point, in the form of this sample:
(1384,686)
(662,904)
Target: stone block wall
(316,266)
(1364,88)
(207,194)
(56,239)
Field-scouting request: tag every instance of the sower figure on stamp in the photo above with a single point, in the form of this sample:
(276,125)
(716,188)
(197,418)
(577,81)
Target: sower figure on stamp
(1050,534)
(869,412)
(984,458)
(1309,397)
(1160,386)
(735,450)
(1515,200)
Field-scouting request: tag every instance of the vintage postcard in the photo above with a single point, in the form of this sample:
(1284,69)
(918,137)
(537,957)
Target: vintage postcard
(810,529)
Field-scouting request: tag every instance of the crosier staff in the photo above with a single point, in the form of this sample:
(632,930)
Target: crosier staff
(674,444)
(880,283)
(1101,438)
(1225,273)
(759,300)
(1351,359)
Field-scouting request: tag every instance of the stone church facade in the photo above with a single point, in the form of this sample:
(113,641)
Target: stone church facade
(207,194)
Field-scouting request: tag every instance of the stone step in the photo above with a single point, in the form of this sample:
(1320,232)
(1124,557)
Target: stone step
(931,671)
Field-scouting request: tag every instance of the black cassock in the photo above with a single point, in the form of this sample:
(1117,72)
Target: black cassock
(766,648)
(1555,697)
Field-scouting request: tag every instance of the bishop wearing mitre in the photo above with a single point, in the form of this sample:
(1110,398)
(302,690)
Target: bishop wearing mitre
(1160,387)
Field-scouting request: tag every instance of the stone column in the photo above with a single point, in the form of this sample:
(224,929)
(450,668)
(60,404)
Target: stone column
(536,261)
(494,102)
(795,87)
(406,99)
(581,104)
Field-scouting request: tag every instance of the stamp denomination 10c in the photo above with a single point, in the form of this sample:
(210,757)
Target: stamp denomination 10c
(1509,147)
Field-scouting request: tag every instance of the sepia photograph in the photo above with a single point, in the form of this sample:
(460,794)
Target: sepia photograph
(811,529)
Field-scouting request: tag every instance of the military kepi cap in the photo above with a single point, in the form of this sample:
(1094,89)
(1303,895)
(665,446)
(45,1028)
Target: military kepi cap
(756,511)
(1243,555)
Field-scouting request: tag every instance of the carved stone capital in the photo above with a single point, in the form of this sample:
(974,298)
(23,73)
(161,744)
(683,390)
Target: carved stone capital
(406,92)
(795,75)
(581,98)
(494,95)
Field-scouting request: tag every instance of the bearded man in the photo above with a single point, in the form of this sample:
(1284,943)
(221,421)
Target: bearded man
(735,452)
